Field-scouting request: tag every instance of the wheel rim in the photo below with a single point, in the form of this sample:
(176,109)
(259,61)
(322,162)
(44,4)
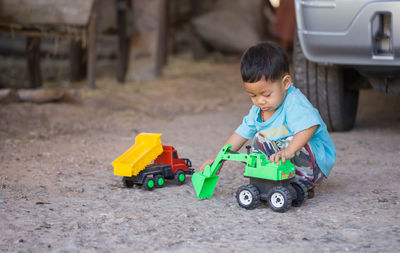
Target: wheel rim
(160,181)
(150,184)
(245,197)
(277,199)
(181,177)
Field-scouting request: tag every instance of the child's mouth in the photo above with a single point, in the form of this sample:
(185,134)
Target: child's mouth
(269,109)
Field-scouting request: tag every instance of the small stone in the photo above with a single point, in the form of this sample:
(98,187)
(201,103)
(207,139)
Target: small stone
(42,203)
(382,200)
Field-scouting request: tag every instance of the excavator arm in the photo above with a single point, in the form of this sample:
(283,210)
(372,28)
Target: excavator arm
(225,154)
(204,183)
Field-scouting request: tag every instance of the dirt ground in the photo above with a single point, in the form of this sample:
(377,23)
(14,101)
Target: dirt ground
(58,192)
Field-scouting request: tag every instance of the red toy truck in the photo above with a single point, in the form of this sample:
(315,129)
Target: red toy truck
(167,166)
(136,167)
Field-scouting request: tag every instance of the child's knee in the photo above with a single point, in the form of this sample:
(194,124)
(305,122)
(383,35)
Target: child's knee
(309,176)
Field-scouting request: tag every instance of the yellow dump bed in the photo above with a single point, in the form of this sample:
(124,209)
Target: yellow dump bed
(147,148)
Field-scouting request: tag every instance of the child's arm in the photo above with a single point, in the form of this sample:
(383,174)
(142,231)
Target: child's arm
(235,140)
(299,140)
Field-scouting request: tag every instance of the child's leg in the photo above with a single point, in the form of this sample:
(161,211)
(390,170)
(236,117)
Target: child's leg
(263,145)
(307,170)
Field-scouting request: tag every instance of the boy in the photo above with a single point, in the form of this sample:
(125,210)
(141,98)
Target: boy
(282,122)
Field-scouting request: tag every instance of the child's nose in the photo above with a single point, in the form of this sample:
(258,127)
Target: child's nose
(261,100)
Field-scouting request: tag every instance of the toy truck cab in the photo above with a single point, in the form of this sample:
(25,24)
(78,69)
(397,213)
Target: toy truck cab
(170,156)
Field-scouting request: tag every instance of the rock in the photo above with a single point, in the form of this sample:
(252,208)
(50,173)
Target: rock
(48,95)
(229,28)
(8,96)
(382,200)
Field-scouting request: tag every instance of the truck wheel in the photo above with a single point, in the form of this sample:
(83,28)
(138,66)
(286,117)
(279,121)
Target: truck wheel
(148,184)
(180,177)
(247,196)
(159,181)
(127,183)
(279,199)
(301,194)
(325,87)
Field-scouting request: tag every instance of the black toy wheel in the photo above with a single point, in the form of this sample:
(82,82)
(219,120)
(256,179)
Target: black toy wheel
(159,181)
(127,183)
(180,177)
(248,196)
(279,199)
(148,184)
(301,194)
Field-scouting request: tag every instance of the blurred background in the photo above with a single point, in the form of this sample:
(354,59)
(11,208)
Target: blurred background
(169,57)
(107,58)
(128,40)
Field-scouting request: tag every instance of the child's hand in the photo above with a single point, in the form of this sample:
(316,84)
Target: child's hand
(284,154)
(209,162)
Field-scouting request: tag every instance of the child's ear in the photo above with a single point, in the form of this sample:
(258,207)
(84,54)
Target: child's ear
(287,81)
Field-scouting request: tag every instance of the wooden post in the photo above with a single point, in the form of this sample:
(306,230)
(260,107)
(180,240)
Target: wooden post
(124,10)
(195,7)
(148,43)
(77,61)
(198,48)
(33,61)
(91,63)
(164,30)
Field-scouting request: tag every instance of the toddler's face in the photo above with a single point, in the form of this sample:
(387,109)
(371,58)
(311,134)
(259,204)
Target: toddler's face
(268,95)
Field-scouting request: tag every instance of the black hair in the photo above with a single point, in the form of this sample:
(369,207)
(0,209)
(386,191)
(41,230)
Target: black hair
(264,60)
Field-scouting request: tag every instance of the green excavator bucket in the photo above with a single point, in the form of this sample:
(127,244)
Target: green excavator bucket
(204,183)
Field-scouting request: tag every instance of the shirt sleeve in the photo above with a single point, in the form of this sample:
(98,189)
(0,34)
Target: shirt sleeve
(301,117)
(248,127)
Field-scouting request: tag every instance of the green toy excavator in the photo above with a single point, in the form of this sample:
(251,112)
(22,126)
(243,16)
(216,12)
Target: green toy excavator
(268,181)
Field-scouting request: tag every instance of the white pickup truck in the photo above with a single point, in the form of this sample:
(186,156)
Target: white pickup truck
(343,46)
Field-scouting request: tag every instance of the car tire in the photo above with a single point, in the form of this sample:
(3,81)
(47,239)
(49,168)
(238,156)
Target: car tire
(325,87)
